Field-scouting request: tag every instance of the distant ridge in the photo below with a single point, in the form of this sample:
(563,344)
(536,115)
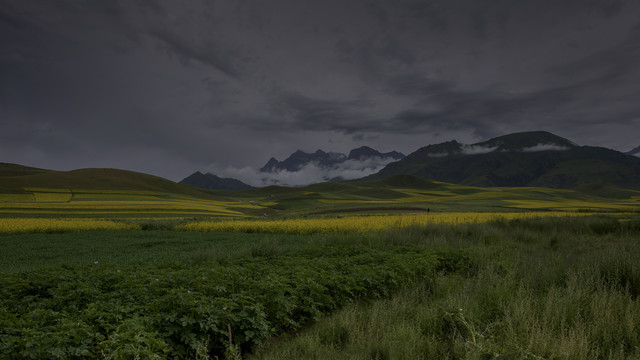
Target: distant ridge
(14,178)
(8,169)
(536,158)
(212,182)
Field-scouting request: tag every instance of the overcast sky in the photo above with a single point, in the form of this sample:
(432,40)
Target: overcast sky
(171,87)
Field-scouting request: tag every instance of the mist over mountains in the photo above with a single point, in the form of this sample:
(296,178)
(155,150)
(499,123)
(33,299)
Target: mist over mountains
(535,158)
(326,166)
(302,168)
(328,160)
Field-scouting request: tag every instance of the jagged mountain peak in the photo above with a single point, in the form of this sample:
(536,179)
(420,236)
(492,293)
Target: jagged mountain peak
(635,151)
(270,165)
(326,160)
(364,152)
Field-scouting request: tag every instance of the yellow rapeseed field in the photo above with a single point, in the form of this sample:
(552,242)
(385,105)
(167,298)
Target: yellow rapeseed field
(571,204)
(360,224)
(16,198)
(26,225)
(52,197)
(63,204)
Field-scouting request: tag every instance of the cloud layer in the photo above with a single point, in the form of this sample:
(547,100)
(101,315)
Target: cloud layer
(168,87)
(308,174)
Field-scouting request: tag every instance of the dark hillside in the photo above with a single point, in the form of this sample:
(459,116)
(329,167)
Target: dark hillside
(523,159)
(210,181)
(96,179)
(7,169)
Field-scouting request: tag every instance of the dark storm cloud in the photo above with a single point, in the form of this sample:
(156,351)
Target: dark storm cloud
(479,111)
(173,87)
(318,114)
(605,67)
(208,54)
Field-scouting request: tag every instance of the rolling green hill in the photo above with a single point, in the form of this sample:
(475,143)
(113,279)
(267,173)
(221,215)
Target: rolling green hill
(14,178)
(7,169)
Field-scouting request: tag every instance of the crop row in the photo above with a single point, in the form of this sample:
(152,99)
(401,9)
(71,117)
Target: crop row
(187,311)
(361,224)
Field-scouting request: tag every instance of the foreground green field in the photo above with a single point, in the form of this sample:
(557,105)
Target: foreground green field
(529,288)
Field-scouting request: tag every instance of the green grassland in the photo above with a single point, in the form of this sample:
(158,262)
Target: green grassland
(396,194)
(561,287)
(533,289)
(41,251)
(554,288)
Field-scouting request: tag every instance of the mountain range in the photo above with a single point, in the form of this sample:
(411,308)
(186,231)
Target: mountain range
(535,158)
(525,159)
(299,159)
(304,168)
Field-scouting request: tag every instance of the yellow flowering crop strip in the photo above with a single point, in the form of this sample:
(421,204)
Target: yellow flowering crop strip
(359,224)
(628,205)
(105,207)
(31,225)
(52,197)
(16,198)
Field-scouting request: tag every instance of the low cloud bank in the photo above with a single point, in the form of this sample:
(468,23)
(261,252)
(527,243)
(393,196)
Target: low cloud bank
(308,174)
(545,147)
(465,150)
(476,149)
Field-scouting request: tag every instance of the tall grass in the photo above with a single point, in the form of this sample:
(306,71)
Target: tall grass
(523,289)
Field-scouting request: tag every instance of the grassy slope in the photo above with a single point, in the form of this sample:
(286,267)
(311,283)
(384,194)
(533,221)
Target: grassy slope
(7,169)
(16,177)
